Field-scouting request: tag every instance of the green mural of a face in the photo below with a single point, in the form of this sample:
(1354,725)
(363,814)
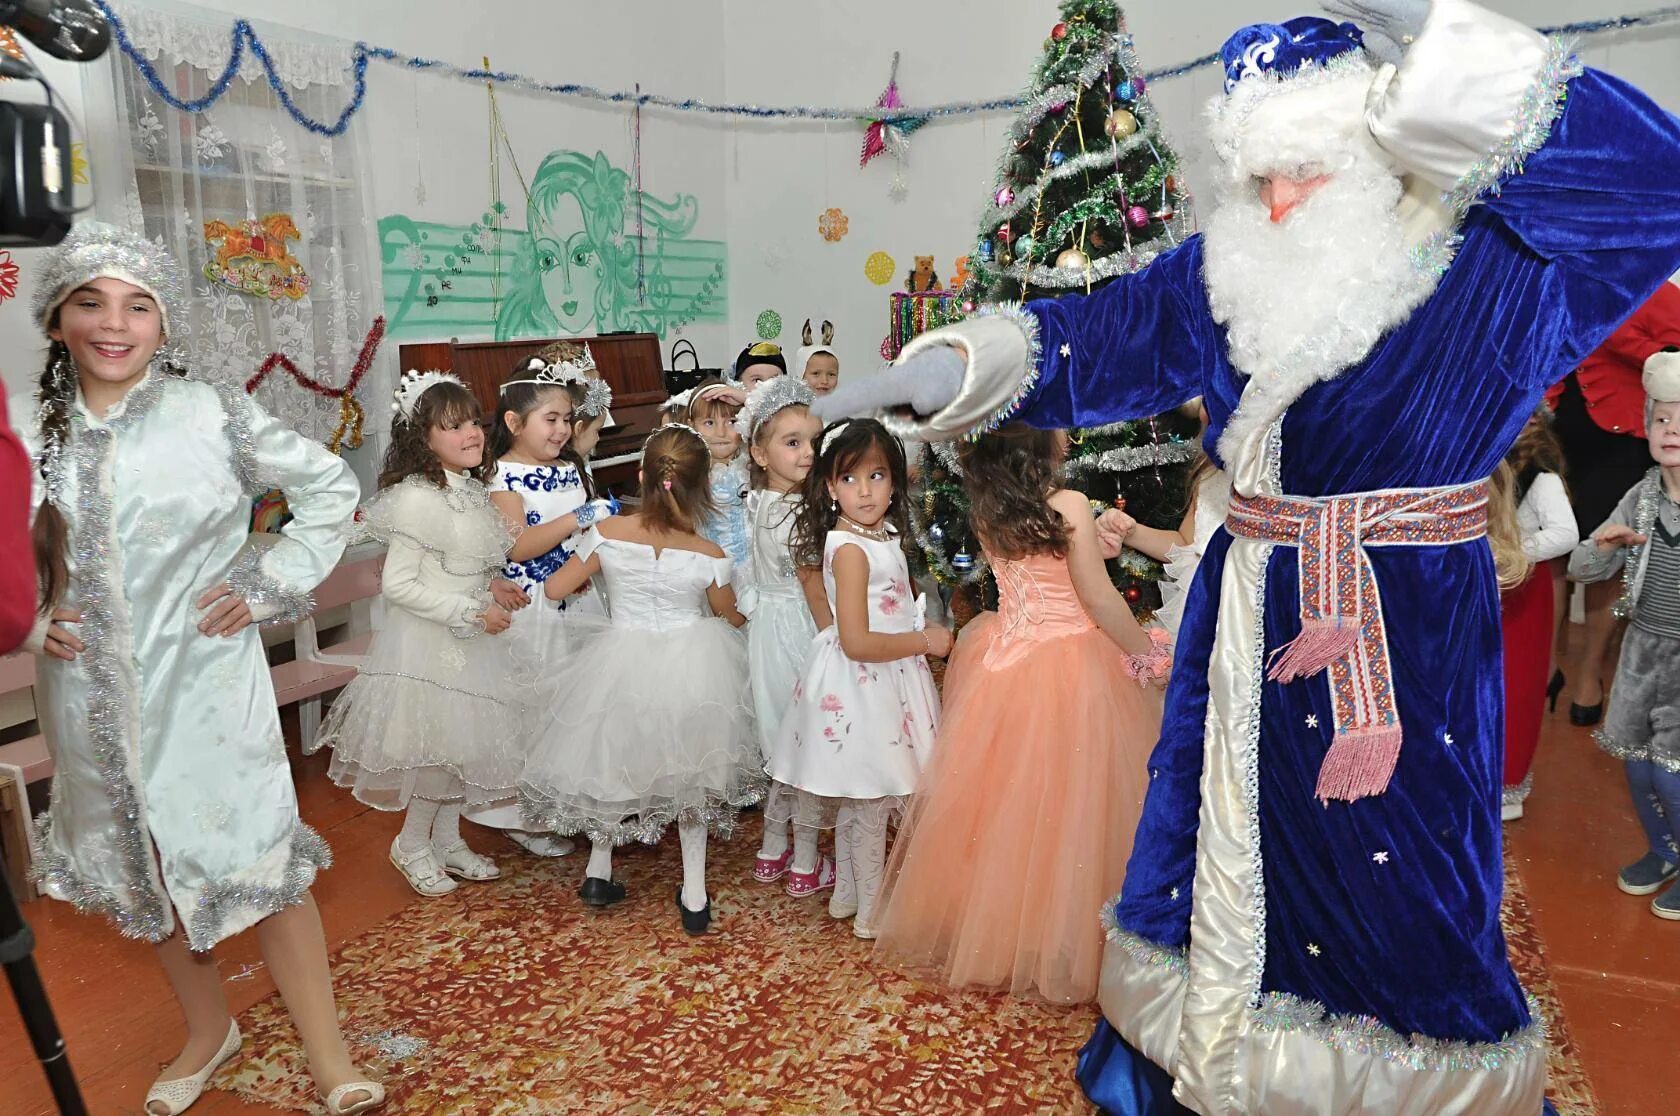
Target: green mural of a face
(570,267)
(578,267)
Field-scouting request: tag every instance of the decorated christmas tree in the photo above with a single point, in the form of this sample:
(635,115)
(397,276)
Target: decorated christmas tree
(1087,190)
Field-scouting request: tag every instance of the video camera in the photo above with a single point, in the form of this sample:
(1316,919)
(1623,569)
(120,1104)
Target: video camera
(36,207)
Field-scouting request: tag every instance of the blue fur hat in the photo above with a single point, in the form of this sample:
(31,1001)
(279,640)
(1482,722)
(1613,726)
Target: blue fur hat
(1283,48)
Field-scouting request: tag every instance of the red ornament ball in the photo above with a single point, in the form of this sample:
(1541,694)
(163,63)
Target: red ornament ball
(1059,32)
(1004,233)
(1132,594)
(1137,216)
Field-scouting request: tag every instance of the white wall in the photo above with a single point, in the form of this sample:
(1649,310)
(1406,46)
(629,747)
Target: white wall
(762,185)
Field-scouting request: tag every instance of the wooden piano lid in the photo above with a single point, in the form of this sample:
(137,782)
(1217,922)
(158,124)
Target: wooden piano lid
(629,362)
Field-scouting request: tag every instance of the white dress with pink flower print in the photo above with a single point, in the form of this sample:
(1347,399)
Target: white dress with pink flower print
(856,732)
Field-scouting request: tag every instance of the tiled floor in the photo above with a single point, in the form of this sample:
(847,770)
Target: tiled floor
(1616,965)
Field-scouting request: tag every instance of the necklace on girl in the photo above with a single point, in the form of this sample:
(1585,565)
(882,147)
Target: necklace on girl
(875,534)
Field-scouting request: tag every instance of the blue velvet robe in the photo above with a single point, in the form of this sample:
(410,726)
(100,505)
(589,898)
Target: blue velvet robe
(1549,265)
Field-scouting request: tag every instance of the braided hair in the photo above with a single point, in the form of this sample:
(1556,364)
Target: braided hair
(50,533)
(676,480)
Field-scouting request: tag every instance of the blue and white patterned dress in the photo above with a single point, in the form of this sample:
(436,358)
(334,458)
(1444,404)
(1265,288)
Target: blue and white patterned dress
(548,492)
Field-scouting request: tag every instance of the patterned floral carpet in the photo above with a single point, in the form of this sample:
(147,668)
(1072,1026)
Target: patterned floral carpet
(511,998)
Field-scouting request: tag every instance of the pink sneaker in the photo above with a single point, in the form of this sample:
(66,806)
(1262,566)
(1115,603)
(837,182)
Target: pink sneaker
(803,884)
(768,870)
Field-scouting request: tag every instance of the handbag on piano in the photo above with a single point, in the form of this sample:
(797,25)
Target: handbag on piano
(681,379)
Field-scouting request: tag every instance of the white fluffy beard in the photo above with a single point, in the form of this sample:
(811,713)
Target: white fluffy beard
(1311,295)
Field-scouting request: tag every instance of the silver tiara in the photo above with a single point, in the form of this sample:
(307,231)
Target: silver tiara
(671,426)
(412,386)
(597,399)
(769,397)
(539,371)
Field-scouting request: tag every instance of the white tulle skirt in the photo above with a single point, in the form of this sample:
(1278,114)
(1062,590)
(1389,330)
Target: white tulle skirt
(1180,567)
(640,729)
(430,715)
(542,638)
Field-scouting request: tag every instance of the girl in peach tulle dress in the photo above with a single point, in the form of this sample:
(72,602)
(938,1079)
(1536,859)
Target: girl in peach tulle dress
(1024,821)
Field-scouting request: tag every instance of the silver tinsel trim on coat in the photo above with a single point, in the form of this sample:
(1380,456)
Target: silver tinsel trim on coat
(1517,795)
(718,814)
(1635,753)
(268,597)
(237,424)
(93,251)
(1175,961)
(140,910)
(1531,124)
(1645,507)
(1365,1036)
(225,901)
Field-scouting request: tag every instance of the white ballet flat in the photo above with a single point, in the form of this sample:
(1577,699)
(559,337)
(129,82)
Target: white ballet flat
(422,870)
(459,860)
(180,1093)
(334,1100)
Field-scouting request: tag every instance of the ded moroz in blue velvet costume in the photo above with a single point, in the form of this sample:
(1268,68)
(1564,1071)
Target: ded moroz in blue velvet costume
(1277,949)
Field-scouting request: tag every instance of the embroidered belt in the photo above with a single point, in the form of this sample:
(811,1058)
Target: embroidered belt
(1341,614)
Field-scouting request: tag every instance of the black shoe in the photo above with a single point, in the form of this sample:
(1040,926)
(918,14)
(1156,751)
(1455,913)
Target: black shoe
(1585,715)
(694,922)
(600,893)
(1554,688)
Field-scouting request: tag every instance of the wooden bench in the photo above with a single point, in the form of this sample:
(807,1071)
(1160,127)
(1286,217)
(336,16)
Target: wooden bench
(315,671)
(17,672)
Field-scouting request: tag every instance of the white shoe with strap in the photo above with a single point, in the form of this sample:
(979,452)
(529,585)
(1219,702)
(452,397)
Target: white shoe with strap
(180,1093)
(422,870)
(459,860)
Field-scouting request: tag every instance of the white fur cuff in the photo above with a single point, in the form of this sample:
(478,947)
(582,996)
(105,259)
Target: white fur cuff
(1457,94)
(1002,370)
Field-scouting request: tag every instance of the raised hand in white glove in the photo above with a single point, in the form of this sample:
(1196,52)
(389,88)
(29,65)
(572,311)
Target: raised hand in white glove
(1389,25)
(926,383)
(595,511)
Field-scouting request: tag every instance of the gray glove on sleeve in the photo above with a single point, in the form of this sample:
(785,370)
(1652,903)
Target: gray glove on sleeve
(1389,25)
(926,383)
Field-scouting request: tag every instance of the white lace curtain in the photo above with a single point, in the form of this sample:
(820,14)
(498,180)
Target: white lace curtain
(173,176)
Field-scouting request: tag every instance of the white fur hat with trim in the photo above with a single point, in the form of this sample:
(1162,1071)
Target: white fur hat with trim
(1662,377)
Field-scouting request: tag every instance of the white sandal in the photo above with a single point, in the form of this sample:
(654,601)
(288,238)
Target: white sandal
(459,860)
(180,1093)
(335,1099)
(542,844)
(422,870)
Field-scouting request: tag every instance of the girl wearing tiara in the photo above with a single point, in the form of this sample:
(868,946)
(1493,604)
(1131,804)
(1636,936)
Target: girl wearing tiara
(851,748)
(431,722)
(1023,824)
(650,721)
(173,812)
(712,410)
(543,489)
(785,607)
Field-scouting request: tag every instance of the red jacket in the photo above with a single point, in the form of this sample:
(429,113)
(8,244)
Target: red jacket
(1610,376)
(17,554)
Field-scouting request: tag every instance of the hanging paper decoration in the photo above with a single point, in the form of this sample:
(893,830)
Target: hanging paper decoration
(832,224)
(879,268)
(9,272)
(350,415)
(251,257)
(769,325)
(890,136)
(79,164)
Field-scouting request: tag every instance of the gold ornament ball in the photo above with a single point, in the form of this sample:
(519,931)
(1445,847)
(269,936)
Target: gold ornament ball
(1073,257)
(1120,124)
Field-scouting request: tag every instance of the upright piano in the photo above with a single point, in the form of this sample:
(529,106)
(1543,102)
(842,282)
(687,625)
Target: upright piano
(629,362)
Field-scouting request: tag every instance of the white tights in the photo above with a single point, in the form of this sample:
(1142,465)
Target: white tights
(430,822)
(868,861)
(692,835)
